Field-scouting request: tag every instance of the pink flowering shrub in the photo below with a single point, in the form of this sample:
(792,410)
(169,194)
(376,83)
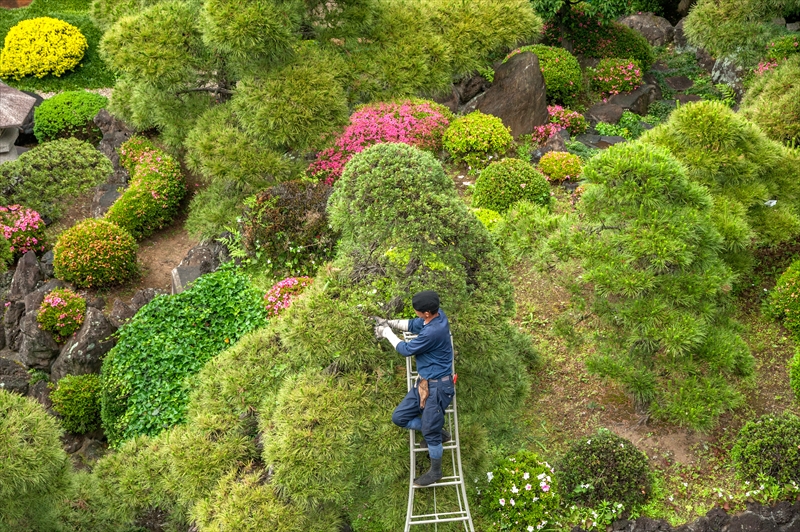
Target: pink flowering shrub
(765,66)
(280,296)
(571,120)
(540,134)
(23,228)
(559,166)
(614,76)
(415,122)
(61,312)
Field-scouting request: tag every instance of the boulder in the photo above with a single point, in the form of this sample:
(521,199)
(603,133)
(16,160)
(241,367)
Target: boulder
(5,283)
(121,312)
(638,100)
(115,133)
(657,30)
(46,264)
(556,142)
(679,37)
(15,310)
(104,197)
(793,26)
(34,300)
(705,60)
(605,112)
(449,99)
(200,260)
(13,376)
(84,352)
(27,277)
(679,83)
(27,124)
(599,142)
(726,70)
(517,95)
(468,88)
(41,392)
(37,347)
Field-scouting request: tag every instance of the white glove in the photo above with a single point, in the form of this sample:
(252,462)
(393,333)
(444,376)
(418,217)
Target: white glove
(400,325)
(389,335)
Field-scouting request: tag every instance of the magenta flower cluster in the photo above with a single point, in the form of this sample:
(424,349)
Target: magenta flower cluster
(23,228)
(614,76)
(567,119)
(418,123)
(282,293)
(62,313)
(765,66)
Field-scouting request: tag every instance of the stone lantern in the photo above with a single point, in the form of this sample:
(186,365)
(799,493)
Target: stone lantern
(15,106)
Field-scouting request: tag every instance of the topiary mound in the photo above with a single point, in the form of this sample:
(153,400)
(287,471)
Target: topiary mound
(68,114)
(572,121)
(506,182)
(35,467)
(784,299)
(95,253)
(61,312)
(769,446)
(560,166)
(604,467)
(76,399)
(41,46)
(561,71)
(773,102)
(476,138)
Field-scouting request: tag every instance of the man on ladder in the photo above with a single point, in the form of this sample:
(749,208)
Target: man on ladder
(423,407)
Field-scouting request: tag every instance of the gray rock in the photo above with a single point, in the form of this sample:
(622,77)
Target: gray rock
(84,352)
(605,112)
(449,99)
(46,264)
(96,302)
(726,70)
(517,95)
(145,295)
(120,313)
(41,392)
(27,124)
(5,283)
(778,21)
(556,142)
(200,260)
(705,60)
(14,313)
(13,376)
(470,87)
(687,98)
(657,30)
(115,133)
(599,142)
(793,26)
(679,37)
(37,348)
(104,197)
(34,300)
(588,62)
(679,83)
(26,277)
(636,101)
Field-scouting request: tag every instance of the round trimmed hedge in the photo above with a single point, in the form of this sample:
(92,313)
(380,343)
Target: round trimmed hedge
(560,69)
(506,182)
(769,446)
(476,138)
(95,253)
(784,300)
(560,166)
(41,46)
(68,114)
(77,400)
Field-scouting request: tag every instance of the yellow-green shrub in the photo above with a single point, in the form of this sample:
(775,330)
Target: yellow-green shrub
(95,253)
(41,46)
(560,166)
(476,138)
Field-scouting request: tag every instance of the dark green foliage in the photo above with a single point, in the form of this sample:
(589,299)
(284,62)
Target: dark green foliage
(561,71)
(506,182)
(476,138)
(651,253)
(148,374)
(6,255)
(35,468)
(794,375)
(773,102)
(68,114)
(769,446)
(76,399)
(50,175)
(784,299)
(287,228)
(95,253)
(614,469)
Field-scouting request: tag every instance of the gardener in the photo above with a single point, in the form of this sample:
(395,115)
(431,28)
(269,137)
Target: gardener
(423,407)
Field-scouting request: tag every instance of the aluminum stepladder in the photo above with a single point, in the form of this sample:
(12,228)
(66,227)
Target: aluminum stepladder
(448,482)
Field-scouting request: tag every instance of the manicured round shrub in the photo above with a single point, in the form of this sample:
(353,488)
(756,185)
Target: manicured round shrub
(476,138)
(23,229)
(604,467)
(783,48)
(154,195)
(559,166)
(773,101)
(95,253)
(35,467)
(68,114)
(570,120)
(76,399)
(519,494)
(769,446)
(487,217)
(61,312)
(505,182)
(282,293)
(41,46)
(784,300)
(613,76)
(417,123)
(560,69)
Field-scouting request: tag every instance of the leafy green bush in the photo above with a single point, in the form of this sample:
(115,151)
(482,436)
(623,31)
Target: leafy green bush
(783,47)
(561,71)
(533,232)
(475,138)
(50,175)
(773,102)
(61,312)
(147,376)
(519,493)
(794,375)
(613,76)
(23,230)
(76,399)
(769,446)
(41,46)
(572,121)
(487,217)
(560,166)
(604,467)
(35,467)
(95,253)
(68,114)
(505,182)
(784,300)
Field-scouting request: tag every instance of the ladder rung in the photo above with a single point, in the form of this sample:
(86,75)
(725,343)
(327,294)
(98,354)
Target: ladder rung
(438,484)
(445,520)
(448,446)
(438,518)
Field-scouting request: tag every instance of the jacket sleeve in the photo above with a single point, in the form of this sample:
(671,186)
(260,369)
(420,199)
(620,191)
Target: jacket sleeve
(418,345)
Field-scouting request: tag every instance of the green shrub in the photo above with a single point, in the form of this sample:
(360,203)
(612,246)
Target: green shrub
(773,102)
(106,12)
(560,166)
(95,253)
(50,175)
(487,217)
(572,121)
(147,376)
(154,195)
(769,446)
(506,182)
(784,299)
(519,493)
(61,312)
(76,399)
(562,73)
(68,114)
(783,47)
(41,46)
(794,375)
(35,468)
(286,227)
(614,76)
(533,232)
(604,467)
(475,138)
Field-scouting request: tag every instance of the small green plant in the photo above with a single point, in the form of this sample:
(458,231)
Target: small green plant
(487,217)
(560,166)
(476,138)
(784,300)
(61,312)
(487,73)
(794,374)
(68,114)
(613,130)
(769,447)
(95,253)
(580,149)
(505,182)
(561,72)
(76,398)
(37,375)
(614,76)
(783,48)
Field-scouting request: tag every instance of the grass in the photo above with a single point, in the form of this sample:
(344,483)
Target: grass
(91,74)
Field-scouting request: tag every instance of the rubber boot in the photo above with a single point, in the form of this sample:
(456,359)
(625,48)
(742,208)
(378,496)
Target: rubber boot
(446,437)
(434,474)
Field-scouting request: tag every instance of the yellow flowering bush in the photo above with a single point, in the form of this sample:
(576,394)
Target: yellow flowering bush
(41,46)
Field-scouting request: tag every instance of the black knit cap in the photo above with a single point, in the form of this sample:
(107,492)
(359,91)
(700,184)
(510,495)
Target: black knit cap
(426,301)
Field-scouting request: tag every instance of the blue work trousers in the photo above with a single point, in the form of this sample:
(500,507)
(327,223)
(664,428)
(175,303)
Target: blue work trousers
(432,416)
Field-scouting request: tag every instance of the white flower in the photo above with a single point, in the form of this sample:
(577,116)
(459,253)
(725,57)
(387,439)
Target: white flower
(512,502)
(671,498)
(502,502)
(490,475)
(526,476)
(588,442)
(685,484)
(514,489)
(540,477)
(530,528)
(619,505)
(621,445)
